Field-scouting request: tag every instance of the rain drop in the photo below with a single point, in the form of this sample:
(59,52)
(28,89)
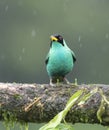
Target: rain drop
(34,12)
(20,3)
(91,29)
(65,5)
(20,58)
(6,8)
(33,33)
(23,50)
(2,57)
(79,38)
(80,45)
(107,36)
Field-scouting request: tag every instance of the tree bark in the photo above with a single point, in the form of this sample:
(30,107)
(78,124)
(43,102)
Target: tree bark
(41,102)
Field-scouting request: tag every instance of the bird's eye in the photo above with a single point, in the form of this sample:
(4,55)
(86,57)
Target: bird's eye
(60,38)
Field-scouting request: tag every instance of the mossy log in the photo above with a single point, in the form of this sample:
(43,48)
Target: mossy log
(41,102)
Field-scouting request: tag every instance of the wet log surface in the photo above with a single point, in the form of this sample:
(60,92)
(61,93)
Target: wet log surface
(41,102)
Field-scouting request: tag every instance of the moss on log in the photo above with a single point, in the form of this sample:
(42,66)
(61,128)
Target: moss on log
(41,102)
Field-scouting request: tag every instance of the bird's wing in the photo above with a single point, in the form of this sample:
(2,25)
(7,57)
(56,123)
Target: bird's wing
(47,59)
(73,55)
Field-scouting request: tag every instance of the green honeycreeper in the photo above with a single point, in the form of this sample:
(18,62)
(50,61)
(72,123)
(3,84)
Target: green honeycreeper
(60,60)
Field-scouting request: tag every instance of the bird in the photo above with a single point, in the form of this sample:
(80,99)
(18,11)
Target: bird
(59,60)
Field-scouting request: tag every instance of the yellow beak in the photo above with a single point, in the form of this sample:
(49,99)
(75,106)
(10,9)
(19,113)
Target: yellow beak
(52,38)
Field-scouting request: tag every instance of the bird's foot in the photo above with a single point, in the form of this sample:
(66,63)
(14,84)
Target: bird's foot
(57,83)
(66,81)
(75,84)
(72,84)
(52,84)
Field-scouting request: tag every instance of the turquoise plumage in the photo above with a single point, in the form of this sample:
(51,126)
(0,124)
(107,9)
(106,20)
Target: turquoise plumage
(60,59)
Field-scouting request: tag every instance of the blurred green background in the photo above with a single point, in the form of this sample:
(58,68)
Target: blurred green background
(25,28)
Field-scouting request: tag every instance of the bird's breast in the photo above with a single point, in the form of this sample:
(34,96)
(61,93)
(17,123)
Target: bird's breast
(60,62)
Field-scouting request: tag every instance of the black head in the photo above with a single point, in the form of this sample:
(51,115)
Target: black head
(57,38)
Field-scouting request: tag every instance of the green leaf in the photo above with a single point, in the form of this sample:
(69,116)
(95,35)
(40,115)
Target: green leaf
(87,96)
(58,118)
(100,111)
(65,127)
